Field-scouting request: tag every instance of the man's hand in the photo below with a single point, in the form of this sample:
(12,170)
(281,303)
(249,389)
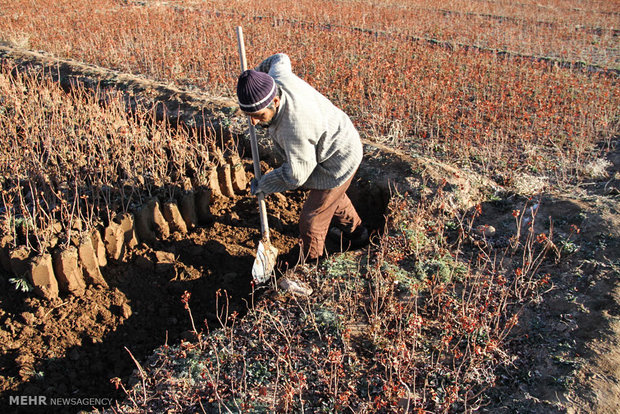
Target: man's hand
(254,187)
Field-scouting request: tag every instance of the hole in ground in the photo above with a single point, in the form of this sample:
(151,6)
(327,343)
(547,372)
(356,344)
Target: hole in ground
(73,347)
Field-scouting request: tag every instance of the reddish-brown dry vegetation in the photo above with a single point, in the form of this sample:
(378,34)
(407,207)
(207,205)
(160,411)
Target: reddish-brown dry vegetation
(121,229)
(461,103)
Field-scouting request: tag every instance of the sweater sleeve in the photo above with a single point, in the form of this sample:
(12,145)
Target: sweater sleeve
(276,65)
(301,162)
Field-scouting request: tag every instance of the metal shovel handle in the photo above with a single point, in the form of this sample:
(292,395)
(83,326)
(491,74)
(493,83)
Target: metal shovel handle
(262,208)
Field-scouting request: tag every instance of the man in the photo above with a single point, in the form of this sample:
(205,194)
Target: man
(322,149)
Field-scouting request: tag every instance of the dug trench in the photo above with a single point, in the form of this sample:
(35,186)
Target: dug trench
(71,346)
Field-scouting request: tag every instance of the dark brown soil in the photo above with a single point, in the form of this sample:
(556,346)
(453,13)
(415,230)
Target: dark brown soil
(72,346)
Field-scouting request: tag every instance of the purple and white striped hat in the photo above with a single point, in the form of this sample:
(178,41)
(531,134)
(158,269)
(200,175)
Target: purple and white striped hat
(255,90)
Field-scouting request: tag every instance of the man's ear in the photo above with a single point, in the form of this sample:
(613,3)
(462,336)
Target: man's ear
(276,101)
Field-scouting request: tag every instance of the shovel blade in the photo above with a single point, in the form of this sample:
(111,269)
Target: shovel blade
(264,263)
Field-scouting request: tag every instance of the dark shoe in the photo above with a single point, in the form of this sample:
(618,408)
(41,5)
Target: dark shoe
(359,237)
(335,234)
(356,239)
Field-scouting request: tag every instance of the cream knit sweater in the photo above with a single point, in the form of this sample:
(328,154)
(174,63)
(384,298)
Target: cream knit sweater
(321,145)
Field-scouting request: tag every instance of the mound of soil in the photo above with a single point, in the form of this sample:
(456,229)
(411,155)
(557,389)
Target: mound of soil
(72,346)
(567,345)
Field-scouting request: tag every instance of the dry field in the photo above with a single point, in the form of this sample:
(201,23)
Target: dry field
(490,180)
(469,105)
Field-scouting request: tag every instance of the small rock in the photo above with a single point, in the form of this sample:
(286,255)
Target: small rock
(125,311)
(295,287)
(28,318)
(164,257)
(485,230)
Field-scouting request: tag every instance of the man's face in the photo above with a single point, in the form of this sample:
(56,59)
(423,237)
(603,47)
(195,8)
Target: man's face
(264,117)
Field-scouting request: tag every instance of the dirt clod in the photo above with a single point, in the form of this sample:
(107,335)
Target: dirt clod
(162,229)
(99,247)
(213,183)
(68,272)
(113,239)
(237,172)
(125,310)
(126,220)
(90,263)
(145,224)
(42,276)
(187,207)
(225,180)
(173,217)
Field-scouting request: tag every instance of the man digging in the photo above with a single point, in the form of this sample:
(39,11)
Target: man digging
(321,146)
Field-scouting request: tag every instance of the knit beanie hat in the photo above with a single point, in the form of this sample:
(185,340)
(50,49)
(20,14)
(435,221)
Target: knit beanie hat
(255,90)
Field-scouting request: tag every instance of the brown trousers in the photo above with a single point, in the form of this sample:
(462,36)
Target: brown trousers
(317,213)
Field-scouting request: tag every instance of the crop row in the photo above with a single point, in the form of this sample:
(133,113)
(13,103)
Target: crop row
(502,115)
(74,161)
(577,36)
(597,14)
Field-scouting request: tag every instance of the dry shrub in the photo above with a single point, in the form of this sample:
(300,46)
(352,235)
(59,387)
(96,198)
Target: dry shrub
(420,321)
(70,161)
(501,115)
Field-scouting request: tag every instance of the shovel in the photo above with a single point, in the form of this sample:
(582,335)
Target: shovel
(266,253)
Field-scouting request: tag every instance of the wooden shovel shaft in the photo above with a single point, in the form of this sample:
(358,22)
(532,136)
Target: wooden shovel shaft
(262,208)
